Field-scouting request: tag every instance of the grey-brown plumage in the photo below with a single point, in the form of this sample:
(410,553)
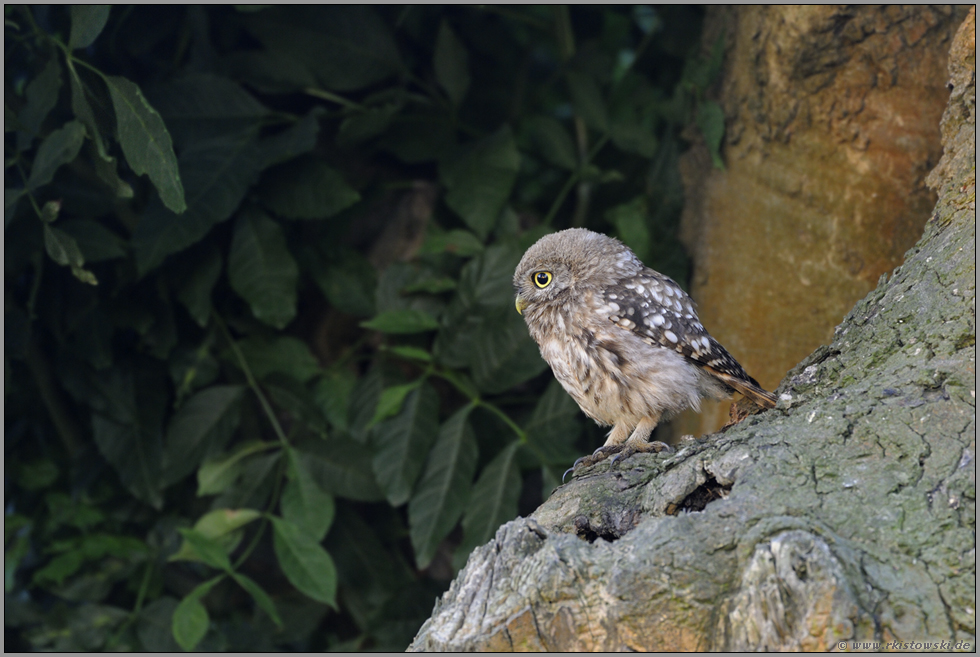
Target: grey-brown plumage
(623,340)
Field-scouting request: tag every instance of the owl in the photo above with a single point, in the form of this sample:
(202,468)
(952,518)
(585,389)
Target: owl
(623,340)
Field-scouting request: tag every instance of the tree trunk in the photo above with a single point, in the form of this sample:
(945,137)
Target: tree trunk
(846,514)
(831,116)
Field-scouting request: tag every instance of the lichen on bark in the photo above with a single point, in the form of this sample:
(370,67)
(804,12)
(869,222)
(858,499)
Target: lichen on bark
(847,513)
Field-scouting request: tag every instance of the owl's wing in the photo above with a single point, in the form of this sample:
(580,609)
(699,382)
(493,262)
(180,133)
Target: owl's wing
(657,310)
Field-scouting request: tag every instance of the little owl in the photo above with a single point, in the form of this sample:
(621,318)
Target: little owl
(623,340)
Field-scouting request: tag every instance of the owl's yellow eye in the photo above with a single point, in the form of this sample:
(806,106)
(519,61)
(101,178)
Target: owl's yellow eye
(542,279)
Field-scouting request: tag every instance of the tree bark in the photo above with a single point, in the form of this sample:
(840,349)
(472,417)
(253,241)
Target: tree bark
(846,514)
(831,117)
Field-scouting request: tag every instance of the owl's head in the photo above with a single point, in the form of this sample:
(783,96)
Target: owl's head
(568,264)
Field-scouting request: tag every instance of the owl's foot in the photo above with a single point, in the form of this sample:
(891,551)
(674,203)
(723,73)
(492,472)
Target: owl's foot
(622,452)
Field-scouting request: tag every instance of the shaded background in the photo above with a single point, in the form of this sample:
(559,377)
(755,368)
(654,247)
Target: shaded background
(264,385)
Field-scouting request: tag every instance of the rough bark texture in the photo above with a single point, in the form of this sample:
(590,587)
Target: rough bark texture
(831,127)
(845,514)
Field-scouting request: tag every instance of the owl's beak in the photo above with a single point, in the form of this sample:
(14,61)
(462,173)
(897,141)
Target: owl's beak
(520,303)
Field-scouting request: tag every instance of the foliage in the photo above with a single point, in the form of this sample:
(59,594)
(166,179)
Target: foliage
(264,384)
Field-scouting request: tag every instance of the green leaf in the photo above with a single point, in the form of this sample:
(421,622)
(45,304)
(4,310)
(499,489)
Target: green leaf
(402,322)
(87,22)
(220,526)
(195,292)
(96,242)
(401,444)
(443,491)
(258,594)
(200,106)
(347,47)
(292,396)
(553,142)
(711,121)
(306,189)
(450,63)
(208,549)
(348,281)
(83,112)
(284,354)
(343,468)
(391,400)
(631,223)
(62,247)
(457,242)
(587,100)
(130,403)
(217,474)
(303,502)
(145,141)
(268,72)
(503,354)
(216,173)
(295,140)
(412,353)
(493,500)
(554,426)
(433,285)
(479,178)
(58,148)
(205,422)
(332,394)
(261,269)
(304,562)
(634,138)
(42,95)
(190,621)
(155,625)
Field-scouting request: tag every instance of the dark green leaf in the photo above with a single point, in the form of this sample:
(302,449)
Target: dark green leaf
(634,138)
(444,489)
(87,22)
(191,620)
(450,63)
(83,112)
(332,394)
(347,47)
(420,137)
(216,174)
(295,140)
(631,222)
(587,100)
(458,242)
(292,396)
(284,354)
(504,354)
(155,625)
(431,285)
(50,211)
(258,594)
(145,141)
(554,426)
(304,503)
(42,95)
(402,443)
(217,474)
(711,121)
(493,500)
(367,124)
(203,106)
(479,179)
(347,280)
(412,353)
(205,422)
(344,469)
(306,189)
(96,242)
(553,142)
(195,292)
(402,322)
(261,269)
(268,72)
(58,148)
(304,562)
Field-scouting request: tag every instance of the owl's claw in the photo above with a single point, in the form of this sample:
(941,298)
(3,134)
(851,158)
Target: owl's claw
(619,453)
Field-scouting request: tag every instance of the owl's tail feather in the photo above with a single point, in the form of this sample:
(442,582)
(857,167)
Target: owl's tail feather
(750,389)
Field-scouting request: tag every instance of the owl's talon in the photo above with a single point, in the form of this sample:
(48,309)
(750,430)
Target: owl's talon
(571,469)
